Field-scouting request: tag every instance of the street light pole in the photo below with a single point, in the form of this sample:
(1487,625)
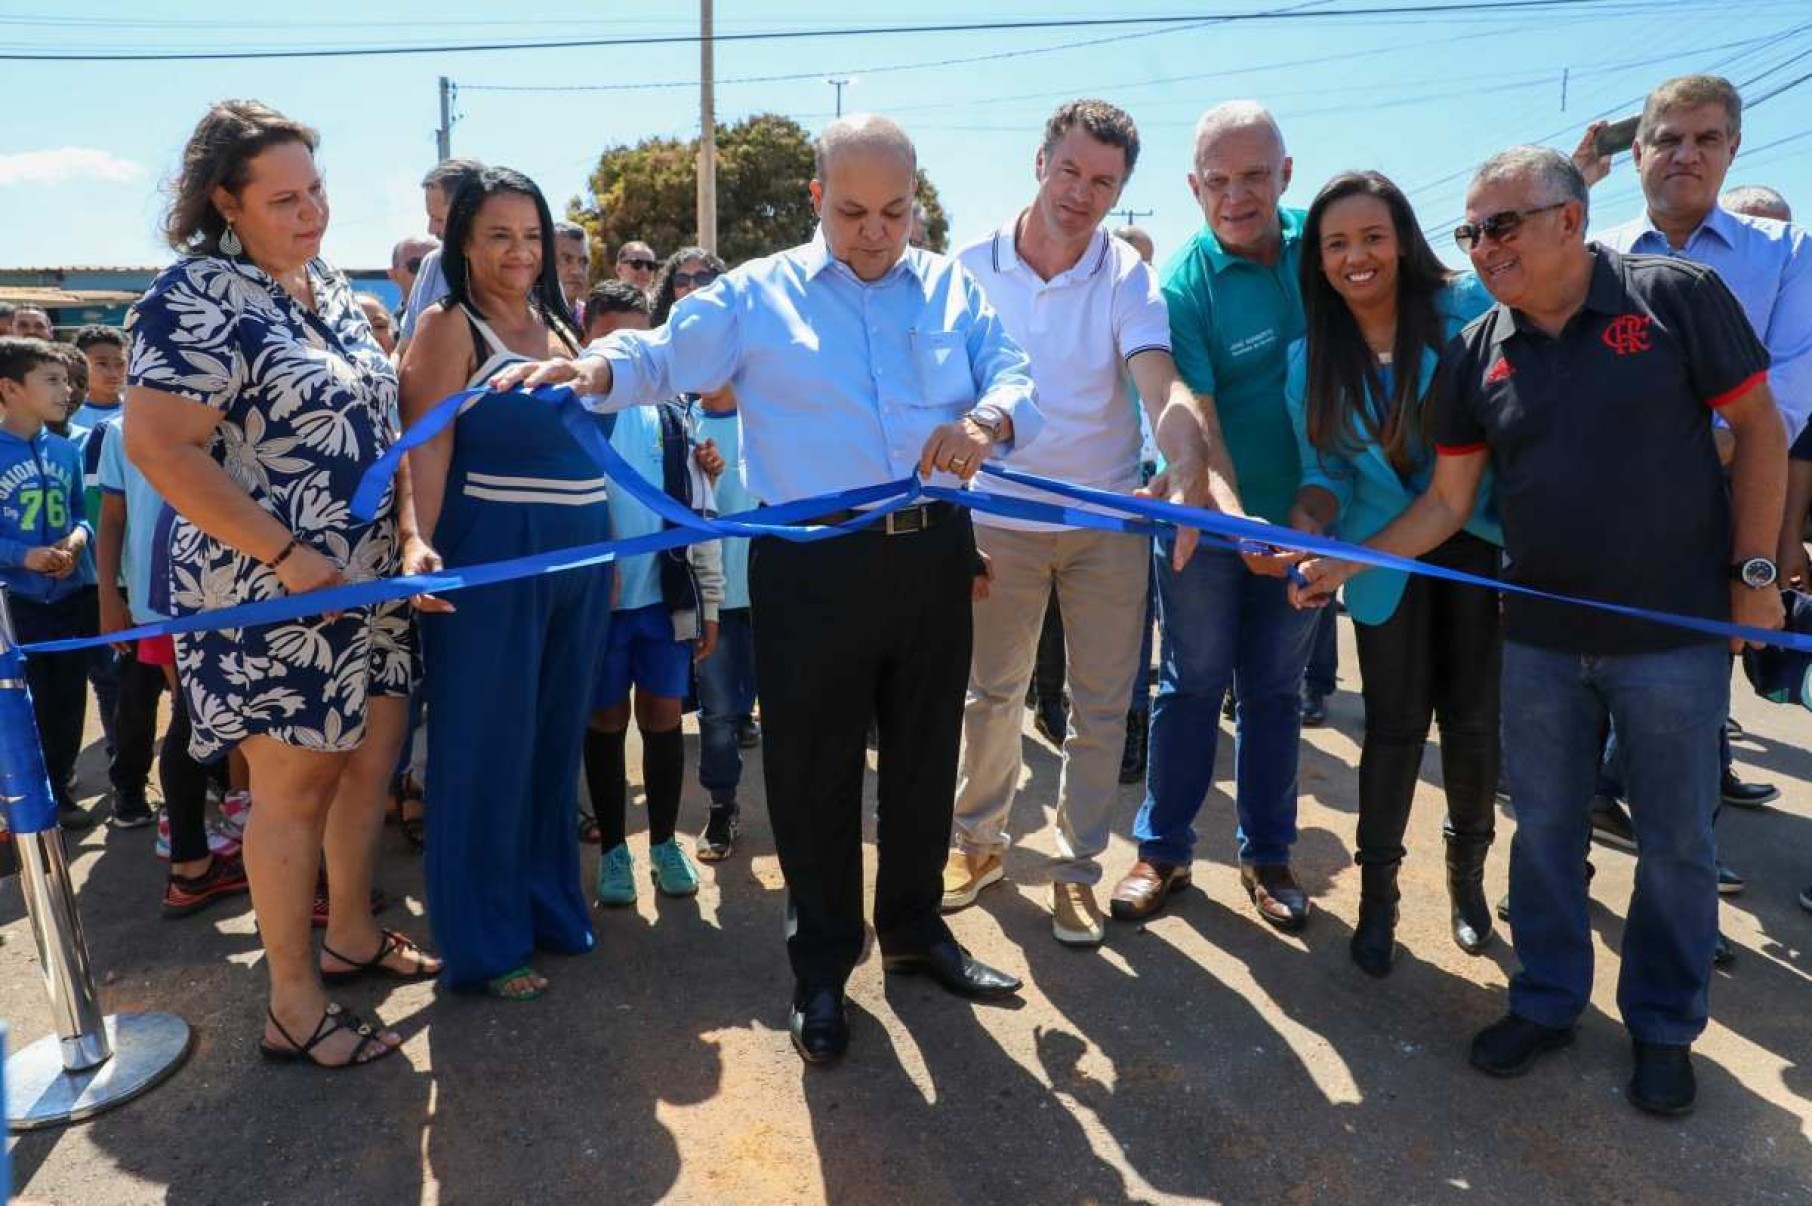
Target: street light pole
(839,83)
(707,140)
(443,134)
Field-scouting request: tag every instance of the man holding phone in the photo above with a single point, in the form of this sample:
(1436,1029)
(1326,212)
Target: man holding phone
(1685,140)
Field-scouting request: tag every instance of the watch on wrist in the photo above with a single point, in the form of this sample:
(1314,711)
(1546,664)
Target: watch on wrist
(1757,573)
(989,420)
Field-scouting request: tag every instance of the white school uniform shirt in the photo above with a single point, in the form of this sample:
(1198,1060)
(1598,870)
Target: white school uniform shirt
(1080,330)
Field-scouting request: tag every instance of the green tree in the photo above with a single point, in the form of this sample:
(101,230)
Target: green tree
(649,191)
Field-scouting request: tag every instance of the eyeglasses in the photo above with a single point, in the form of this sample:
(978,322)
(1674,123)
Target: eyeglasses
(644,265)
(695,280)
(413,263)
(1499,226)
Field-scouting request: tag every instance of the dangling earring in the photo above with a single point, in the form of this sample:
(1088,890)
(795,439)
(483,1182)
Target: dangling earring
(229,241)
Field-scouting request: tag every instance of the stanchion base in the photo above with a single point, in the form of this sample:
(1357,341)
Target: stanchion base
(147,1047)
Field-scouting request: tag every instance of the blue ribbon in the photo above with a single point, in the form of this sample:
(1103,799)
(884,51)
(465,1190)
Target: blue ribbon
(1102,510)
(24,783)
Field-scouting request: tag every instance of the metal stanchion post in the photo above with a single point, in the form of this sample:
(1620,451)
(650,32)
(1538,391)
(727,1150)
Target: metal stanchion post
(92,1062)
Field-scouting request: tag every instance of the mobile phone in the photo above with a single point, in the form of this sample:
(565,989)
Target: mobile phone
(1617,137)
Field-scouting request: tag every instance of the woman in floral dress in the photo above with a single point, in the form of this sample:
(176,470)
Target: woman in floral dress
(257,399)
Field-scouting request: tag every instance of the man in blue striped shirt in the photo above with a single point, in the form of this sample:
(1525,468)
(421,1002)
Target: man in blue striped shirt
(855,360)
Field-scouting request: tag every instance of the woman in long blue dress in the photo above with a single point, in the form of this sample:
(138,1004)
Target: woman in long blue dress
(509,669)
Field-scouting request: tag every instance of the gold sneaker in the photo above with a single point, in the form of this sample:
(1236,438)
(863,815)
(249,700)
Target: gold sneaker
(1075,919)
(965,875)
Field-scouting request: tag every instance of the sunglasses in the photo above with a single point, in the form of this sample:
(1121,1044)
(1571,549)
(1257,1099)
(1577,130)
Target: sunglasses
(644,265)
(413,263)
(1499,226)
(695,280)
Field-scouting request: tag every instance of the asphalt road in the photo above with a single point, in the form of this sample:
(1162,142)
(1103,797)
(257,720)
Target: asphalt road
(1203,1057)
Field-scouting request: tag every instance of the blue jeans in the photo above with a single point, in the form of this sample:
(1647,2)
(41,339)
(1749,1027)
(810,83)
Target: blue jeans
(1324,656)
(1610,770)
(726,693)
(1224,624)
(1666,708)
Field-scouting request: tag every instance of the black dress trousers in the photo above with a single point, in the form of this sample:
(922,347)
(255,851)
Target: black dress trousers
(863,626)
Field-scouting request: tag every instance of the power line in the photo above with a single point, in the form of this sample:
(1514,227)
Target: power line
(922,65)
(1747,106)
(1530,78)
(1456,175)
(687,39)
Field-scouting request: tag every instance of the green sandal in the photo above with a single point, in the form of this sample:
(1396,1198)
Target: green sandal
(498,986)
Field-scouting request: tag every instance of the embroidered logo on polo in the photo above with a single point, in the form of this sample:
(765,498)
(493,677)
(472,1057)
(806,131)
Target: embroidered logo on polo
(1258,341)
(1501,371)
(1627,334)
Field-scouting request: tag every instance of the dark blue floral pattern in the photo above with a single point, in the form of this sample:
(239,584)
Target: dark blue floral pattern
(308,403)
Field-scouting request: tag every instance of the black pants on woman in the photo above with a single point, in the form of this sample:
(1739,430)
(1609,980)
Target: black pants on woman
(1440,655)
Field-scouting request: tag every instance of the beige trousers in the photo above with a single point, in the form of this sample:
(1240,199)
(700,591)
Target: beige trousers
(1101,581)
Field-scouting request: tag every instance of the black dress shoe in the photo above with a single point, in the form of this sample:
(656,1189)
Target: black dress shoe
(1612,825)
(953,967)
(1314,709)
(1511,1045)
(1735,792)
(820,1029)
(1663,1082)
(1722,953)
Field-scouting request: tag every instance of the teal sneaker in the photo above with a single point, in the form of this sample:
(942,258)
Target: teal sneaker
(616,877)
(673,872)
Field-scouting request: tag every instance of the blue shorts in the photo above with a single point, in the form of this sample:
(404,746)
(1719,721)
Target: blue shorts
(642,652)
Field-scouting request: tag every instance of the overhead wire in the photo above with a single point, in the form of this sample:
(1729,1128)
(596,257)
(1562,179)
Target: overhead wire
(1170,21)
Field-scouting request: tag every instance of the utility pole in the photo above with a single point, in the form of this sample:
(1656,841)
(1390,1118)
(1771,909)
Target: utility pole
(443,137)
(1131,215)
(707,139)
(839,83)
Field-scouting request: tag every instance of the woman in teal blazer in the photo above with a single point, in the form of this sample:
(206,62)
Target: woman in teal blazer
(1360,392)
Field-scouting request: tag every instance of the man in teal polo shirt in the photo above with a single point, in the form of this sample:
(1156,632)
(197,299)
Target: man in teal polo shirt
(1235,306)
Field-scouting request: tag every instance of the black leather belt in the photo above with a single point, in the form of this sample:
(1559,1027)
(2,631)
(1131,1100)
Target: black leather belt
(898,523)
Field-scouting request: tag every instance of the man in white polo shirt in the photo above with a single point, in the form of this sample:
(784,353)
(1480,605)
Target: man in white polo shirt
(1086,309)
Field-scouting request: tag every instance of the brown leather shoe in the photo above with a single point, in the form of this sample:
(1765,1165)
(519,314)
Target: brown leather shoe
(1279,898)
(1142,891)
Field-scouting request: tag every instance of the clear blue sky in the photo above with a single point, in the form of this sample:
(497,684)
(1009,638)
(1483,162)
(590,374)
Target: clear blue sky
(1422,98)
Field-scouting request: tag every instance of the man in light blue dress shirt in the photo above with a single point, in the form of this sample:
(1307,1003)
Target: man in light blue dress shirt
(855,361)
(1690,131)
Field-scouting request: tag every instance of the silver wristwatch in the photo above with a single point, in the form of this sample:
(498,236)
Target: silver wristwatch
(989,420)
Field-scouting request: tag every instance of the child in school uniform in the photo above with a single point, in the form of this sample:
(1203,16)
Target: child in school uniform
(44,537)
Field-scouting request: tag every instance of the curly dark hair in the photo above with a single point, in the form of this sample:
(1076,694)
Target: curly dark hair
(663,284)
(219,155)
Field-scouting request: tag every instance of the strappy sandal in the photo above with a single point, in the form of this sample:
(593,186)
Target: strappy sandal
(391,943)
(333,1020)
(497,985)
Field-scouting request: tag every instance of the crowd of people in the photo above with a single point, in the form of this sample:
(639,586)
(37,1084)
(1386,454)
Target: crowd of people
(1320,370)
